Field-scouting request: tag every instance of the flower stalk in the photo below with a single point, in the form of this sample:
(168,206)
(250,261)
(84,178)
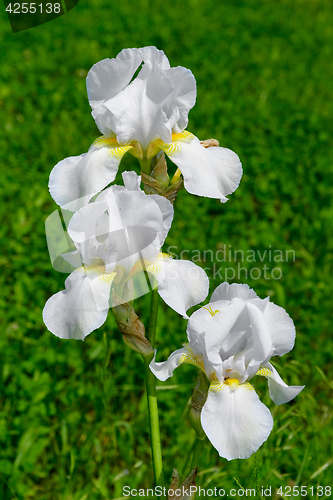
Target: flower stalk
(152,396)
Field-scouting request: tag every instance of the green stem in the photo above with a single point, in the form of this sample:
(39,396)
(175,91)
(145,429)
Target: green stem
(145,166)
(196,453)
(152,397)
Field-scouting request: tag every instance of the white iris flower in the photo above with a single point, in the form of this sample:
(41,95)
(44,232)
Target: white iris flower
(142,116)
(231,340)
(117,237)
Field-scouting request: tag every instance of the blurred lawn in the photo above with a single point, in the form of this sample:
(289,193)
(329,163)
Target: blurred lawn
(73,421)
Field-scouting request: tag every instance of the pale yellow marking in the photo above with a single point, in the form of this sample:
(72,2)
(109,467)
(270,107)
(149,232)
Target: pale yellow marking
(105,141)
(233,383)
(216,386)
(182,136)
(114,148)
(100,269)
(248,386)
(96,268)
(191,360)
(265,372)
(155,267)
(107,278)
(163,255)
(210,310)
(118,152)
(172,147)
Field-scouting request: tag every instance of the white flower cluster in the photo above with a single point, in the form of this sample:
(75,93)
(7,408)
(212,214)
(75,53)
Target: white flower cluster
(118,233)
(232,339)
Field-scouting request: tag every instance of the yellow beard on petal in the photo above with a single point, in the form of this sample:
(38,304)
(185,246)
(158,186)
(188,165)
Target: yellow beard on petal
(107,277)
(191,359)
(99,269)
(155,267)
(232,383)
(265,372)
(171,147)
(115,149)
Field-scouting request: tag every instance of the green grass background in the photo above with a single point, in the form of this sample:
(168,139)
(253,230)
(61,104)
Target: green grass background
(73,417)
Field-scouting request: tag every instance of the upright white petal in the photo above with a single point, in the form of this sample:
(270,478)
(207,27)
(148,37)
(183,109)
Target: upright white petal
(181,283)
(262,341)
(234,420)
(136,226)
(106,79)
(75,180)
(109,76)
(131,180)
(167,212)
(83,224)
(81,308)
(216,321)
(211,172)
(182,98)
(279,391)
(153,105)
(153,55)
(227,291)
(281,328)
(132,183)
(134,209)
(136,117)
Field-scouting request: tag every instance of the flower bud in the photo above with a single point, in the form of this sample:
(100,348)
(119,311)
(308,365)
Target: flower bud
(131,327)
(158,182)
(160,170)
(185,488)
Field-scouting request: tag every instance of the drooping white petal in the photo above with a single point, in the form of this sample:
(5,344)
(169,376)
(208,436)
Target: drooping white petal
(227,291)
(181,283)
(279,391)
(165,369)
(234,420)
(212,172)
(281,327)
(82,307)
(75,180)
